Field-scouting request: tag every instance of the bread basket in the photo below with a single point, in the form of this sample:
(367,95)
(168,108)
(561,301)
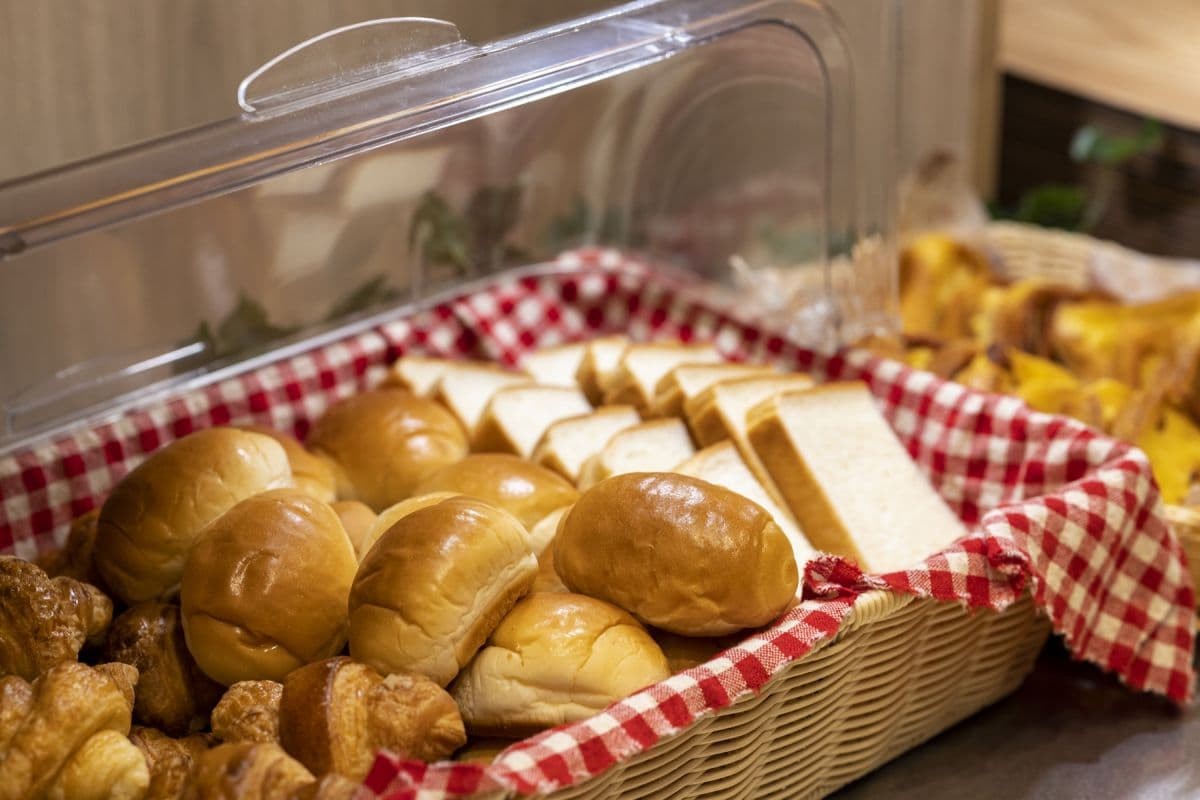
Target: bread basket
(1075,259)
(257,270)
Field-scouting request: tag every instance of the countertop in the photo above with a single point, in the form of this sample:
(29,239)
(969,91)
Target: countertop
(1069,732)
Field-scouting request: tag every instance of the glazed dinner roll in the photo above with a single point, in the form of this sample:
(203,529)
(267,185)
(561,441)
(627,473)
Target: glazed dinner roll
(393,514)
(435,585)
(527,491)
(555,658)
(310,472)
(264,592)
(156,513)
(385,442)
(678,553)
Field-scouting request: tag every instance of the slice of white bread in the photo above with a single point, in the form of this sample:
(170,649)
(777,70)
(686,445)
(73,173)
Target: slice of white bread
(723,465)
(719,412)
(688,380)
(643,366)
(570,442)
(466,387)
(848,480)
(418,374)
(599,362)
(516,417)
(555,366)
(654,446)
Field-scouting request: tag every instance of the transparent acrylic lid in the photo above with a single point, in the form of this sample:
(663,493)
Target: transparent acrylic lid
(385,163)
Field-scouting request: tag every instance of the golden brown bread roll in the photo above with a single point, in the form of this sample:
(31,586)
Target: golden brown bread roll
(172,693)
(52,720)
(249,712)
(555,658)
(394,513)
(356,519)
(170,761)
(106,767)
(311,473)
(264,592)
(435,585)
(155,514)
(547,579)
(678,553)
(337,714)
(385,442)
(247,771)
(527,491)
(75,559)
(45,621)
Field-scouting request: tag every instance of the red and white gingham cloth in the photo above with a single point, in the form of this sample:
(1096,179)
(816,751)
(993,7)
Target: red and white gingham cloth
(1054,506)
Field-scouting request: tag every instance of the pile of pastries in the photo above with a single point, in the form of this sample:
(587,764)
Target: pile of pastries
(464,553)
(1131,370)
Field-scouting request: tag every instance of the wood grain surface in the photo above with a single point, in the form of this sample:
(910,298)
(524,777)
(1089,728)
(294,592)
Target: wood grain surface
(1142,57)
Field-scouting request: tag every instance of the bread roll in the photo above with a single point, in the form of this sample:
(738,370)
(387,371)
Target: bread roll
(394,513)
(385,442)
(356,518)
(678,553)
(525,490)
(435,585)
(336,714)
(555,658)
(155,515)
(310,473)
(173,695)
(264,592)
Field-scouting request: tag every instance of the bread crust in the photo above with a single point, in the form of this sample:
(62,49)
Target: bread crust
(678,553)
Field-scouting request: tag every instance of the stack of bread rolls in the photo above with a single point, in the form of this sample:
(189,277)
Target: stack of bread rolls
(466,551)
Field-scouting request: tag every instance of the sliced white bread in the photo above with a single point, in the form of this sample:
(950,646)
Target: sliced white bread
(466,387)
(654,446)
(599,363)
(688,380)
(848,479)
(418,374)
(643,366)
(555,366)
(516,417)
(570,442)
(722,464)
(719,411)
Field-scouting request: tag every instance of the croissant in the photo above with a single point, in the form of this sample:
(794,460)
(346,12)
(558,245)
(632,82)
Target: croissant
(335,714)
(45,621)
(247,771)
(74,560)
(249,712)
(106,767)
(170,760)
(46,732)
(173,695)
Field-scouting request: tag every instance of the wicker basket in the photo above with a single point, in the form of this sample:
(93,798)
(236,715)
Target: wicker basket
(1027,251)
(900,671)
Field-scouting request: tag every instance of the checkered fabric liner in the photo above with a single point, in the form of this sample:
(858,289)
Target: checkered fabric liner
(1055,507)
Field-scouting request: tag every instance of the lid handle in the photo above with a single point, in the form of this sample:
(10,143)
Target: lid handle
(349,59)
